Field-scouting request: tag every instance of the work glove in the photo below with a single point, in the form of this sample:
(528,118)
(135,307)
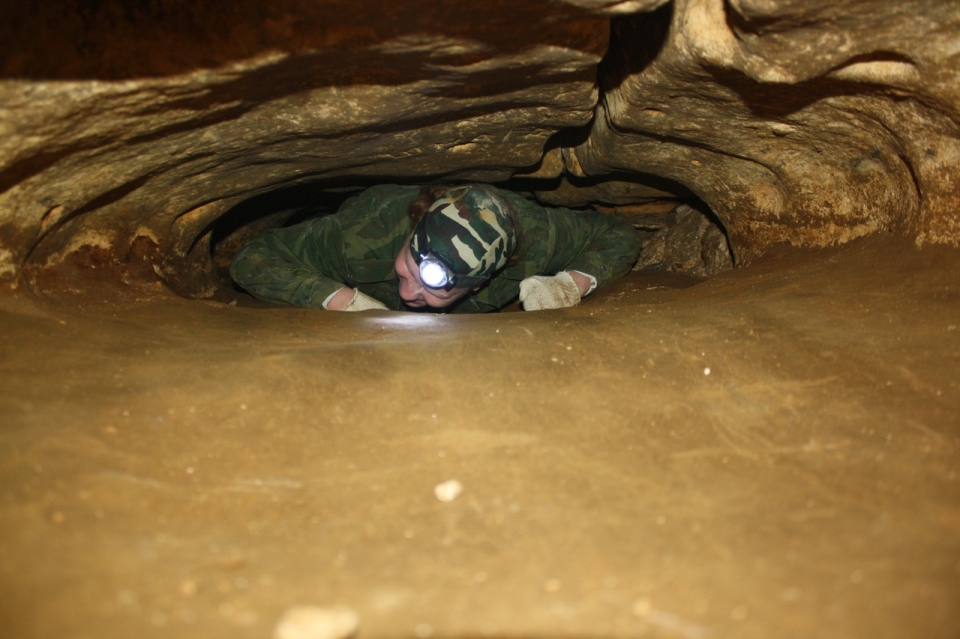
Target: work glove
(363,302)
(542,292)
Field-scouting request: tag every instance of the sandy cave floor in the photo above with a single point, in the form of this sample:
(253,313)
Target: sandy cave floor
(176,468)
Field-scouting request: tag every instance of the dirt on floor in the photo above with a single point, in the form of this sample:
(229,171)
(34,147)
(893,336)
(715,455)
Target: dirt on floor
(774,452)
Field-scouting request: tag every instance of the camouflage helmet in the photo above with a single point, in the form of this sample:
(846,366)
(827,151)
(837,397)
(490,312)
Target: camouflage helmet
(470,230)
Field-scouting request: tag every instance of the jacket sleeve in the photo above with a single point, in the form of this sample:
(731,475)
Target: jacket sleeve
(300,265)
(601,245)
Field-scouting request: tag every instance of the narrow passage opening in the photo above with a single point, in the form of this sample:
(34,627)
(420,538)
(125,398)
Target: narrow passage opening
(680,236)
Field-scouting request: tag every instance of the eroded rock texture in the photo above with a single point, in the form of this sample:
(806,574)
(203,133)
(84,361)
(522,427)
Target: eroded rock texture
(806,122)
(128,129)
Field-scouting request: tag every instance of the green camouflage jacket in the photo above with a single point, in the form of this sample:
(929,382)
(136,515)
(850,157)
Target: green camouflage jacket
(302,265)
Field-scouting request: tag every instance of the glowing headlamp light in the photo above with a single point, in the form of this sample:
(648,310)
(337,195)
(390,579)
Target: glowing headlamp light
(434,271)
(434,274)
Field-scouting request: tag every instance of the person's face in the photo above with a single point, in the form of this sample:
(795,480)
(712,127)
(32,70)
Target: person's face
(412,290)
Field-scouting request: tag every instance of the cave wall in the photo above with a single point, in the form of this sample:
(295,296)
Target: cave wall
(129,128)
(803,122)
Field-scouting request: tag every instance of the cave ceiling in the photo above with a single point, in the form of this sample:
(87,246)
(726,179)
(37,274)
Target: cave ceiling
(130,128)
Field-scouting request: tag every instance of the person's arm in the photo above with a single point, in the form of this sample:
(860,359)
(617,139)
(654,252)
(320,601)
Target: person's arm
(585,283)
(589,249)
(340,299)
(595,244)
(294,265)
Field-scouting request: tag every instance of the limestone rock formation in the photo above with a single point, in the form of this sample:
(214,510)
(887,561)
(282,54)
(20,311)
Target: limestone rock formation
(803,122)
(684,241)
(129,130)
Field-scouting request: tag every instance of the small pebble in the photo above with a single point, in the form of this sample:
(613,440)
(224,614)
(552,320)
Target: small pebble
(313,622)
(448,490)
(706,371)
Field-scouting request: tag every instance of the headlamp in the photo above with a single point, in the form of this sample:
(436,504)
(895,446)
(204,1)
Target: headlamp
(434,271)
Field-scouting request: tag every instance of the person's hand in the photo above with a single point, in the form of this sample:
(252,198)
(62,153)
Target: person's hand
(348,299)
(542,292)
(340,299)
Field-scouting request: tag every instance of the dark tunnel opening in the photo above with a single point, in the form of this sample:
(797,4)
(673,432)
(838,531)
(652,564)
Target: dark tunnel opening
(679,233)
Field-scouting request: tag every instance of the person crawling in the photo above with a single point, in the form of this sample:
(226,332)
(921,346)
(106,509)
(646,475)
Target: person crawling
(464,249)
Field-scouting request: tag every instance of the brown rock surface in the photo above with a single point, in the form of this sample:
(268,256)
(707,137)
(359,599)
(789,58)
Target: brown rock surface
(802,122)
(683,241)
(189,469)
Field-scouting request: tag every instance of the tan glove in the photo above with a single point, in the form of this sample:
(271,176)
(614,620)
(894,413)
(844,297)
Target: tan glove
(542,292)
(363,302)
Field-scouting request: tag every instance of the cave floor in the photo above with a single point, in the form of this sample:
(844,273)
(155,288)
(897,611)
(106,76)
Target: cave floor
(774,452)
